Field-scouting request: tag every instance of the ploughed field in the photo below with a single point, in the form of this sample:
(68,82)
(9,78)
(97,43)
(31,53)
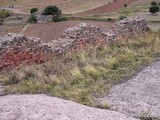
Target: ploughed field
(107,8)
(67,6)
(51,31)
(76,7)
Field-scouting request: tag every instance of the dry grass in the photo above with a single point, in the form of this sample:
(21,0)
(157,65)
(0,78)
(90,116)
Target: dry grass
(88,74)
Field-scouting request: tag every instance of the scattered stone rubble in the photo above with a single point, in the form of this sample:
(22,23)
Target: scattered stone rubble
(44,18)
(16,49)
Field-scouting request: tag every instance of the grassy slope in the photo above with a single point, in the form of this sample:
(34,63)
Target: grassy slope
(86,75)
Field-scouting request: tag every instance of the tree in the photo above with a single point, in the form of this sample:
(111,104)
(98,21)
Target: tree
(154,9)
(33,10)
(52,10)
(153,3)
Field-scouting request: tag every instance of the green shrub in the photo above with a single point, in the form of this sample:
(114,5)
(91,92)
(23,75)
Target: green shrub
(104,105)
(154,9)
(58,19)
(122,17)
(33,10)
(154,3)
(52,10)
(109,19)
(32,19)
(125,5)
(3,15)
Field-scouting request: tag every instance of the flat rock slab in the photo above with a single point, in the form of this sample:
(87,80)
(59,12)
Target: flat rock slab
(42,107)
(139,95)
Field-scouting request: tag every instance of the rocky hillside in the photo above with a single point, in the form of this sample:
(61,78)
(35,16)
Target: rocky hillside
(42,107)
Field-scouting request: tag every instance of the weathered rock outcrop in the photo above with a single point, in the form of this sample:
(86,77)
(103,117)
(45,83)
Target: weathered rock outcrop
(42,107)
(17,49)
(139,96)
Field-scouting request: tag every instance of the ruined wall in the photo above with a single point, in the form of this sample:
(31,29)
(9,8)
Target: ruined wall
(17,49)
(84,34)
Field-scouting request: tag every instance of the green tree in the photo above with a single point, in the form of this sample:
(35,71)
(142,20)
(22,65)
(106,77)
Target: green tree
(154,3)
(52,10)
(154,9)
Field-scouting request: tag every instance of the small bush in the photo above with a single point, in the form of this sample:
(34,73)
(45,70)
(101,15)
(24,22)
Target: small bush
(52,10)
(109,19)
(33,10)
(154,9)
(58,19)
(3,15)
(122,17)
(32,19)
(125,5)
(104,105)
(154,3)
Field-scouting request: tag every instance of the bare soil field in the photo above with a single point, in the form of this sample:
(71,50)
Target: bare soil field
(67,6)
(110,7)
(52,31)
(10,29)
(139,7)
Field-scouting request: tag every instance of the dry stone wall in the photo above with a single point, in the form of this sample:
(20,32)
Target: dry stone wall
(17,49)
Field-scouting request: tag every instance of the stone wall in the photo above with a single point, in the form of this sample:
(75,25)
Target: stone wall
(16,49)
(84,34)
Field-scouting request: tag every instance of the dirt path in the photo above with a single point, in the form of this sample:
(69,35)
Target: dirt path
(139,95)
(42,107)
